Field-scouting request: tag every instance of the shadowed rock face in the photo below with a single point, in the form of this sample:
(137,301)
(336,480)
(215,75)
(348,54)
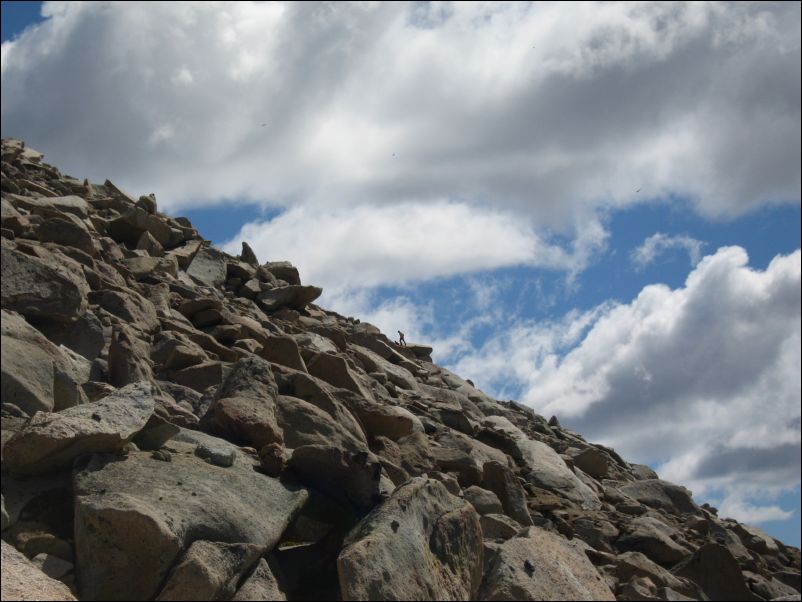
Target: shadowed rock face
(183,424)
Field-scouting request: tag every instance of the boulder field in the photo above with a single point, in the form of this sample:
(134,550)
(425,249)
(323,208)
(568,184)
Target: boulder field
(182,424)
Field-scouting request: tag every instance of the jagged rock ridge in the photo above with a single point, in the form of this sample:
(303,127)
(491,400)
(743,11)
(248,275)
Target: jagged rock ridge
(180,424)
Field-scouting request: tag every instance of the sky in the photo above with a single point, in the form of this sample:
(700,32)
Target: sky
(591,208)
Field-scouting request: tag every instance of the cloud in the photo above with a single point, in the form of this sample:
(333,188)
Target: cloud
(659,243)
(551,110)
(368,246)
(703,380)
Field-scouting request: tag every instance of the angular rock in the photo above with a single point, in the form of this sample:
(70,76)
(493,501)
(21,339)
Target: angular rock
(661,494)
(292,297)
(36,375)
(499,479)
(143,513)
(544,467)
(208,267)
(353,478)
(334,370)
(592,461)
(210,571)
(38,289)
(200,376)
(125,364)
(421,544)
(540,565)
(485,502)
(74,205)
(283,270)
(50,441)
(247,255)
(498,527)
(381,420)
(68,231)
(715,570)
(244,408)
(131,307)
(282,349)
(261,585)
(22,580)
(84,336)
(653,538)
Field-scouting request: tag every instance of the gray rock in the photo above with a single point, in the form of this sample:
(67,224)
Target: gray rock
(40,289)
(592,461)
(421,544)
(144,512)
(334,370)
(661,494)
(383,420)
(84,336)
(655,539)
(219,456)
(23,580)
(208,267)
(68,231)
(292,297)
(716,571)
(50,441)
(544,467)
(498,527)
(125,364)
(282,349)
(261,585)
(74,205)
(210,571)
(283,270)
(485,502)
(352,478)
(131,307)
(540,565)
(199,376)
(247,255)
(244,408)
(36,375)
(499,479)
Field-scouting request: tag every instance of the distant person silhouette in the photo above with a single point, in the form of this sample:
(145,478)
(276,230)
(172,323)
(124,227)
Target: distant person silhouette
(401,340)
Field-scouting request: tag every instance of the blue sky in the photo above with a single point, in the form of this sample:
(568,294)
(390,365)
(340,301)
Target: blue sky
(594,210)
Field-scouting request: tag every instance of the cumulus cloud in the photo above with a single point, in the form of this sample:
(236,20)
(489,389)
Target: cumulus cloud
(703,380)
(659,243)
(369,246)
(549,109)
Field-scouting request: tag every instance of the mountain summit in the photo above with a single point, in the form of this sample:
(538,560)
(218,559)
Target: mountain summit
(181,424)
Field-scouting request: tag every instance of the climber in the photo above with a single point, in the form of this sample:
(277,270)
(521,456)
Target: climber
(401,340)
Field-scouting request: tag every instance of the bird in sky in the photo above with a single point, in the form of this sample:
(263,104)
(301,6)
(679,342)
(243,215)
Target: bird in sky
(638,190)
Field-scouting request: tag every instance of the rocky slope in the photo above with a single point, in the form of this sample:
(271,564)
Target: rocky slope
(180,424)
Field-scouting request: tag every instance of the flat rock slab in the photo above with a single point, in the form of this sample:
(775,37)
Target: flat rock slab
(421,544)
(52,440)
(134,516)
(22,580)
(541,565)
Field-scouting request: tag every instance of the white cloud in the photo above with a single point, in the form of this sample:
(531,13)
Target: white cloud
(554,110)
(370,246)
(703,380)
(659,243)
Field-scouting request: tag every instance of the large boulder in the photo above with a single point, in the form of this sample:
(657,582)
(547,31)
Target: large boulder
(208,267)
(661,494)
(40,289)
(421,544)
(716,571)
(244,408)
(500,480)
(353,478)
(142,513)
(543,466)
(334,370)
(541,565)
(293,297)
(655,539)
(22,580)
(36,375)
(50,441)
(282,349)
